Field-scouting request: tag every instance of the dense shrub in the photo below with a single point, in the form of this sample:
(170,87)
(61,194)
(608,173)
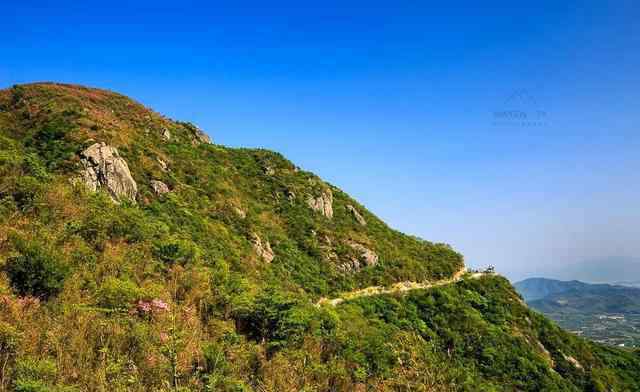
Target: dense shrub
(36,271)
(38,375)
(117,293)
(176,251)
(54,140)
(9,340)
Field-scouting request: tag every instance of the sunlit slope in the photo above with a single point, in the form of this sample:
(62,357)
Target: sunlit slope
(138,255)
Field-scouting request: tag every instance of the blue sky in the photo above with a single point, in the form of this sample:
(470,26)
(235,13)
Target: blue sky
(398,103)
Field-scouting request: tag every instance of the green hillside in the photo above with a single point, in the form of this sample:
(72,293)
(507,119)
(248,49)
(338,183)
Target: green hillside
(138,256)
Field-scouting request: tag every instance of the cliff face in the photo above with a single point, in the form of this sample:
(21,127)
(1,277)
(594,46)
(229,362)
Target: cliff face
(137,255)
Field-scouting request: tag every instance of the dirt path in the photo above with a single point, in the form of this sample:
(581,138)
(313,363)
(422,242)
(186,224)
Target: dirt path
(399,287)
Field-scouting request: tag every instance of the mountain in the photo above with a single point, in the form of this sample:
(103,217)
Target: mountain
(603,312)
(537,288)
(627,283)
(601,270)
(549,295)
(138,255)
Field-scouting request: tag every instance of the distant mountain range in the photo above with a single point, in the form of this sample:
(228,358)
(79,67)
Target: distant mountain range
(604,312)
(548,295)
(601,270)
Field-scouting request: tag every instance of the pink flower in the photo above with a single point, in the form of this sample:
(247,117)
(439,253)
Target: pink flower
(150,307)
(144,306)
(160,305)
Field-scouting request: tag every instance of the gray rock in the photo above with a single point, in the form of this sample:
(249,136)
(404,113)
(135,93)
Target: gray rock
(159,187)
(366,257)
(104,168)
(322,203)
(166,135)
(262,248)
(356,215)
(268,170)
(202,137)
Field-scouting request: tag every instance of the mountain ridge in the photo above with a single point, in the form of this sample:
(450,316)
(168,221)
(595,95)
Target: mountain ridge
(205,275)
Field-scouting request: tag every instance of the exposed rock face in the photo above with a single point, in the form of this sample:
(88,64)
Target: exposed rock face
(197,135)
(546,354)
(202,137)
(366,258)
(104,168)
(163,164)
(242,214)
(290,195)
(159,187)
(573,361)
(356,215)
(322,203)
(262,248)
(268,170)
(166,135)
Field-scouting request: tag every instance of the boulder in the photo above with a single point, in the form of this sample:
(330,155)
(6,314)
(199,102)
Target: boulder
(104,168)
(159,187)
(359,218)
(166,135)
(366,257)
(322,204)
(262,248)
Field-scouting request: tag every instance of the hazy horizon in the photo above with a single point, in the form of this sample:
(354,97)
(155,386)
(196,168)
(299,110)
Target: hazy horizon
(508,132)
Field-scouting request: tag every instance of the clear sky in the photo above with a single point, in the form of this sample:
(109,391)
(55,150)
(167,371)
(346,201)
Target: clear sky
(414,108)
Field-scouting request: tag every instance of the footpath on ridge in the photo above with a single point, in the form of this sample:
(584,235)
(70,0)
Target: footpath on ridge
(400,287)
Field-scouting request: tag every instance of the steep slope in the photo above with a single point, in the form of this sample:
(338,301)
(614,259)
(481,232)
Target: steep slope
(137,255)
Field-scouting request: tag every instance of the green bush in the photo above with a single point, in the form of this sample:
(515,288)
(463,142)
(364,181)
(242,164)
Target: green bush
(33,369)
(27,190)
(36,271)
(117,293)
(37,375)
(176,251)
(54,140)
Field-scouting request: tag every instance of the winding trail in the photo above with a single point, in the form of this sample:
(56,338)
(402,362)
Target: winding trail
(399,287)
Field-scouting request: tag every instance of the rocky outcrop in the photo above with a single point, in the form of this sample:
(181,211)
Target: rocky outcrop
(573,361)
(262,248)
(365,258)
(356,215)
(323,203)
(269,171)
(104,168)
(202,137)
(166,135)
(163,165)
(159,187)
